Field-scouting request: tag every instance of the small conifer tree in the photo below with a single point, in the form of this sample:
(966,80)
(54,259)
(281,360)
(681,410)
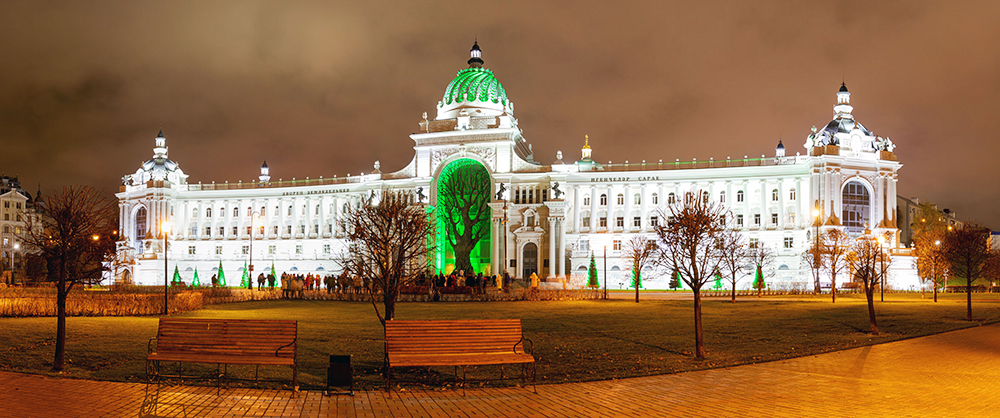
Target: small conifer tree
(176,280)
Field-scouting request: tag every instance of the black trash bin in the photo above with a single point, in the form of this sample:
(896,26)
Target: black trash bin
(340,374)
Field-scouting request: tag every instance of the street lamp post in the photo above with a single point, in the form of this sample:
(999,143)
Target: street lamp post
(934,262)
(816,254)
(16,246)
(605,271)
(164,227)
(881,265)
(503,246)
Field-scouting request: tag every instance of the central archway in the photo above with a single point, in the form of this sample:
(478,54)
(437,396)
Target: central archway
(463,217)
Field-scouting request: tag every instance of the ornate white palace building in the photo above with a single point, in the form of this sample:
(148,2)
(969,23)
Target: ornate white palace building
(547,218)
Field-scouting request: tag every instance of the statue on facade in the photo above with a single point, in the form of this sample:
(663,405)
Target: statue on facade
(420,194)
(500,190)
(556,193)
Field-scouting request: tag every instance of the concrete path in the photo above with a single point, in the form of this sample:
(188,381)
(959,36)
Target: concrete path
(955,374)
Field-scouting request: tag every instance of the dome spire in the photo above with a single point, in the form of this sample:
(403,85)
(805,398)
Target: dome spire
(264,173)
(160,150)
(586,148)
(475,60)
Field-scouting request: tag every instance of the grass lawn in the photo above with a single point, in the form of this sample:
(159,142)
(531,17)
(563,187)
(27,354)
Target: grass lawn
(574,340)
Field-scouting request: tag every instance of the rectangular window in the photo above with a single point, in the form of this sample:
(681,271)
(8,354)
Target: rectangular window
(789,242)
(191,250)
(620,222)
(754,243)
(194,231)
(654,221)
(275,230)
(302,229)
(722,220)
(774,218)
(756,219)
(637,222)
(208,231)
(617,244)
(222,231)
(235,231)
(270,249)
(218,250)
(586,222)
(326,248)
(604,222)
(289,229)
(248,230)
(19,205)
(584,245)
(6,205)
(739,220)
(261,231)
(5,242)
(298,249)
(791,194)
(246,249)
(315,229)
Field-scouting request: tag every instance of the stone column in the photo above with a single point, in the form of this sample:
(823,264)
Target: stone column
(593,208)
(561,252)
(552,247)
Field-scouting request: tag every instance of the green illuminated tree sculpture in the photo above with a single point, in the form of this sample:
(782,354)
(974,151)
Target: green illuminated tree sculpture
(177,277)
(592,281)
(462,197)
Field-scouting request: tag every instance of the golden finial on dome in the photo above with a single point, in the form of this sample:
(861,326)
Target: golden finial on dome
(586,142)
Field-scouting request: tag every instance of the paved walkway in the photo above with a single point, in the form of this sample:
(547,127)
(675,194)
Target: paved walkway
(947,375)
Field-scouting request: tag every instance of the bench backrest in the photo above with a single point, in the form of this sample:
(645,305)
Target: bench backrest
(454,337)
(243,337)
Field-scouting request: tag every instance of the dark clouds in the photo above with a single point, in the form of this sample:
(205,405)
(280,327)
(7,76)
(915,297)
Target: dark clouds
(323,88)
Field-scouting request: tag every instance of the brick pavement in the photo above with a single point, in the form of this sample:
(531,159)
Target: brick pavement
(945,375)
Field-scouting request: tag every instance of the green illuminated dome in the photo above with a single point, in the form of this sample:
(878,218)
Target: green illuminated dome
(475,90)
(475,85)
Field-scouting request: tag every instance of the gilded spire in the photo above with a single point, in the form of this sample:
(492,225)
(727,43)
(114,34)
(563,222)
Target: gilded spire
(586,142)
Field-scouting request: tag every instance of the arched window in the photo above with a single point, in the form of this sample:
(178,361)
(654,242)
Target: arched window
(688,197)
(621,199)
(739,196)
(208,212)
(261,211)
(791,194)
(637,199)
(604,200)
(656,199)
(236,212)
(704,197)
(586,200)
(289,210)
(857,207)
(722,197)
(774,195)
(317,209)
(140,228)
(671,199)
(194,213)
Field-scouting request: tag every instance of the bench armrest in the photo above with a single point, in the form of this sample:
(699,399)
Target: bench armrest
(286,345)
(149,346)
(529,349)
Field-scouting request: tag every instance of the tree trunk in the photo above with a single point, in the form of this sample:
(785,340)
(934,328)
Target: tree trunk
(935,292)
(637,286)
(833,287)
(968,298)
(870,294)
(734,288)
(699,342)
(59,360)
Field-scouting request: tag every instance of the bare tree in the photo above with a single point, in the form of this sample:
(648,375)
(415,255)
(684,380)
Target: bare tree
(761,257)
(73,233)
(690,243)
(733,263)
(462,198)
(967,250)
(831,256)
(388,248)
(639,251)
(866,259)
(929,228)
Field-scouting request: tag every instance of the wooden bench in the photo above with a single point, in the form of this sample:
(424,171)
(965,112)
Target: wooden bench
(457,343)
(223,342)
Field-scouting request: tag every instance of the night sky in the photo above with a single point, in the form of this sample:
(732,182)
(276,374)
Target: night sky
(323,88)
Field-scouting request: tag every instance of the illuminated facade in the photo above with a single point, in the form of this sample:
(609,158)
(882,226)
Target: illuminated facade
(538,218)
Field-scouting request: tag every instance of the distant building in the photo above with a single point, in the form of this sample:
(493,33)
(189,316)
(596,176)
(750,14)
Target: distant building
(543,218)
(15,205)
(909,210)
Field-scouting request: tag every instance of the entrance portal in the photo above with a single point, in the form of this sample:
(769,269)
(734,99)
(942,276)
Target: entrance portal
(530,256)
